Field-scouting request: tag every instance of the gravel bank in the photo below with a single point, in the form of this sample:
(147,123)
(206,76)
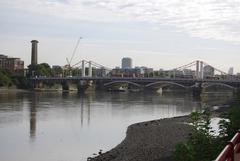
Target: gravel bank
(149,141)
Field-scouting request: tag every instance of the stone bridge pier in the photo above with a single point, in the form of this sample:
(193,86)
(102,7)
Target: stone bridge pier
(86,86)
(79,86)
(43,85)
(197,89)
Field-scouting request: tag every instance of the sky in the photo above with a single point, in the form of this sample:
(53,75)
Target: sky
(154,33)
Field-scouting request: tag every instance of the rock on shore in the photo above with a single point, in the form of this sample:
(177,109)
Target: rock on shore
(150,141)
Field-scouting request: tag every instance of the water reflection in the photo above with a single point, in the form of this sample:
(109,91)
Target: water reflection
(33,115)
(212,99)
(82,112)
(125,104)
(88,105)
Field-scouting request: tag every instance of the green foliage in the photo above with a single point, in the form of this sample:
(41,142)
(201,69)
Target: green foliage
(20,81)
(234,117)
(184,152)
(231,124)
(40,70)
(76,72)
(202,145)
(57,71)
(5,79)
(8,79)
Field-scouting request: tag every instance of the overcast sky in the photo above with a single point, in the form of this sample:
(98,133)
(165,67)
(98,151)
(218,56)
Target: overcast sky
(154,33)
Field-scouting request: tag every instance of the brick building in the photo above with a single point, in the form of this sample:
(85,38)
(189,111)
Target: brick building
(14,65)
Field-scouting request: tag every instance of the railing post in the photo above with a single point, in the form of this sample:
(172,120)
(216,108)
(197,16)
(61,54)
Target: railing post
(238,143)
(231,152)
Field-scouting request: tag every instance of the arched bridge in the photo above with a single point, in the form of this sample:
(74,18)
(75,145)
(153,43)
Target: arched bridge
(121,82)
(166,83)
(144,82)
(207,85)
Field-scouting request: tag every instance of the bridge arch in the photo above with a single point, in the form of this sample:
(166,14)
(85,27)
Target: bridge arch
(207,85)
(166,82)
(119,82)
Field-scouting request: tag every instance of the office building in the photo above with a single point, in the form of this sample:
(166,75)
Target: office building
(126,63)
(230,71)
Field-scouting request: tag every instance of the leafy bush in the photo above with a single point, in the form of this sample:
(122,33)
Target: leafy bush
(231,124)
(202,144)
(5,79)
(184,152)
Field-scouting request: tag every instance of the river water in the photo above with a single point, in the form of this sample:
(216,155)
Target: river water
(71,127)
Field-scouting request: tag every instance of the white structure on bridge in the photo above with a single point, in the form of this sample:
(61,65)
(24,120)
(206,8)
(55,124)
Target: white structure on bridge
(201,70)
(90,64)
(195,70)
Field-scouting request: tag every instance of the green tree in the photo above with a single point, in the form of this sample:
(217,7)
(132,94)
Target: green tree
(5,79)
(20,81)
(57,71)
(38,70)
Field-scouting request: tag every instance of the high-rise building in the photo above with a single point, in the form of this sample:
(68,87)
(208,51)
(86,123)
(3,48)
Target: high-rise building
(126,63)
(230,71)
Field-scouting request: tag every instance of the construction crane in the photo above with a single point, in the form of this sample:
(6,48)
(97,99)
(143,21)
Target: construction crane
(69,65)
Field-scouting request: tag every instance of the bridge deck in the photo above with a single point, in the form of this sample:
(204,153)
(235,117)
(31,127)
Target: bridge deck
(133,79)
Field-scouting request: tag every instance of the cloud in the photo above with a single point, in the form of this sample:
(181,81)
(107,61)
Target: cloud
(213,19)
(209,19)
(73,9)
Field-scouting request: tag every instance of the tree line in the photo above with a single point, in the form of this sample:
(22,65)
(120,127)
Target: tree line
(9,79)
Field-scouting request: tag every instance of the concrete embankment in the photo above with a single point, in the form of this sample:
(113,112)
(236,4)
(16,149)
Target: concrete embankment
(150,141)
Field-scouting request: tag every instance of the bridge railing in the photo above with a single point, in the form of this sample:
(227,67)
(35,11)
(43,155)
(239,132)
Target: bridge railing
(231,150)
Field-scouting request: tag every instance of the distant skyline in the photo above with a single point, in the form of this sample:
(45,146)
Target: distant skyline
(154,33)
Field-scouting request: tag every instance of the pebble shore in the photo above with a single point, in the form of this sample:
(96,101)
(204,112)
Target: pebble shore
(150,141)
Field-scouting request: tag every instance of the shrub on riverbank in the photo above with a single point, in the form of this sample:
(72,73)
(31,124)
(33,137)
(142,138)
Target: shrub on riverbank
(229,127)
(203,145)
(8,79)
(5,79)
(20,82)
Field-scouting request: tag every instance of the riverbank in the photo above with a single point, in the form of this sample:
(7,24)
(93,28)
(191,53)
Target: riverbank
(150,141)
(12,89)
(154,140)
